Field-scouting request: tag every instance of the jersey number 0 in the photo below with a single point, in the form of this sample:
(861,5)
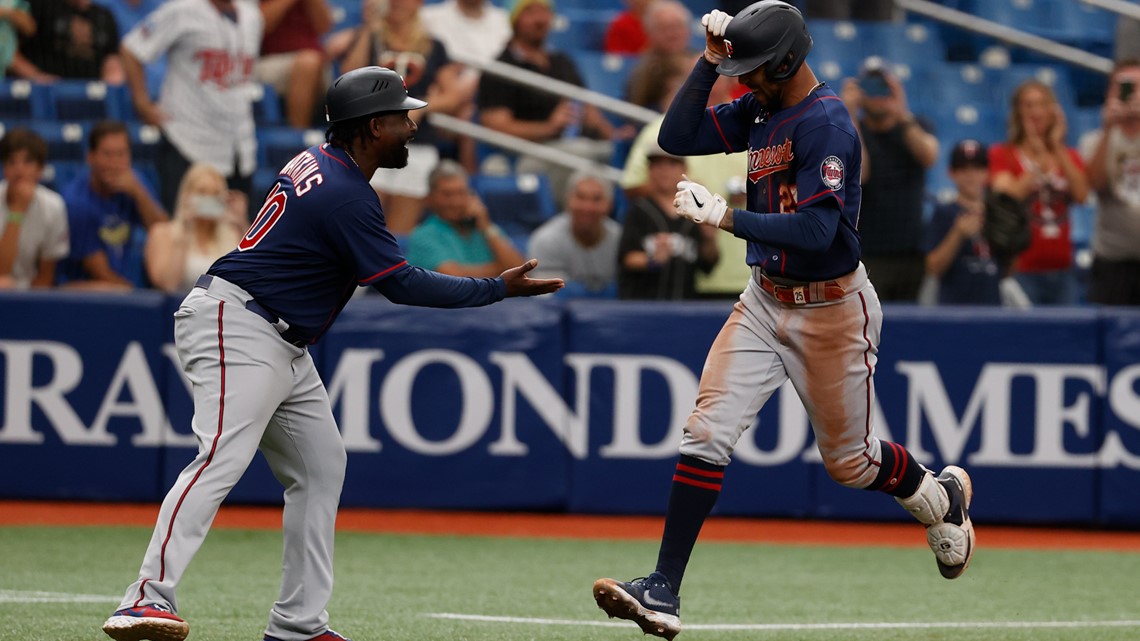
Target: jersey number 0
(270,213)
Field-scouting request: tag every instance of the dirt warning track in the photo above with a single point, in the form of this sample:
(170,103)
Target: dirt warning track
(575,526)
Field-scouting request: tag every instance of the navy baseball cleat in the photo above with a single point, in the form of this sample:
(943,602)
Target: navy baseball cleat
(649,602)
(952,540)
(152,622)
(328,635)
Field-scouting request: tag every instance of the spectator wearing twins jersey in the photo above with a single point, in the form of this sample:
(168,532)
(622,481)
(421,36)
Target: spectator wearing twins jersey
(205,105)
(242,336)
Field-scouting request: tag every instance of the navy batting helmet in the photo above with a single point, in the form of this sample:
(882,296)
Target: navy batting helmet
(366,91)
(763,35)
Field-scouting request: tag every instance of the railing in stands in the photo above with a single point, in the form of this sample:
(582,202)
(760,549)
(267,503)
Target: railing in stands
(522,146)
(1010,35)
(1117,6)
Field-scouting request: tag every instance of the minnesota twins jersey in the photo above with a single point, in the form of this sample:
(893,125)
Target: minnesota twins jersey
(804,160)
(206,90)
(319,235)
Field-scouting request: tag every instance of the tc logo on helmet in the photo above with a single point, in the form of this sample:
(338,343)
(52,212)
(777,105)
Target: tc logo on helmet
(728,47)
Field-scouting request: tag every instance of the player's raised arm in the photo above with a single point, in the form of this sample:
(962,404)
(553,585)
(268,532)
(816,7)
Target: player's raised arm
(691,127)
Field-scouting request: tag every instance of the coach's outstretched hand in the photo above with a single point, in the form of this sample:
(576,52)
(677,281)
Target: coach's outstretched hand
(519,284)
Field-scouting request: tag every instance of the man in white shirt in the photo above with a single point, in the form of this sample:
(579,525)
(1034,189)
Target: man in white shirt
(468,28)
(205,106)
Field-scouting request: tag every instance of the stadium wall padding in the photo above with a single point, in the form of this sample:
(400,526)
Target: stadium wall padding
(579,406)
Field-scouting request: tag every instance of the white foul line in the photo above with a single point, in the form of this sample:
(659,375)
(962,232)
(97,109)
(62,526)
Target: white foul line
(32,596)
(773,627)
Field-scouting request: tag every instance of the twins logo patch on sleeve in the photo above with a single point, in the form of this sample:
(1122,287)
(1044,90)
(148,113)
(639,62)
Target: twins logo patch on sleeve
(831,172)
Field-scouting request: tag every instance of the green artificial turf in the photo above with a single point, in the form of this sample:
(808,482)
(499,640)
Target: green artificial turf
(387,586)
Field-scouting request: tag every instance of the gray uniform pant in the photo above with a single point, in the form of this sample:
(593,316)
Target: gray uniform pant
(828,351)
(251,390)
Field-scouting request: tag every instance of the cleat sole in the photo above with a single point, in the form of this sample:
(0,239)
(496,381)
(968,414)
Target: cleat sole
(124,628)
(616,602)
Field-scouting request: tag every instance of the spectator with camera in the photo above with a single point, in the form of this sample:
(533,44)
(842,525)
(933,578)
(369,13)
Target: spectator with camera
(898,148)
(457,236)
(1112,158)
(1036,167)
(33,218)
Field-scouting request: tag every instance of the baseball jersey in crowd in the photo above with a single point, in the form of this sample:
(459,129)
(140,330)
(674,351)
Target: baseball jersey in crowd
(560,255)
(1050,246)
(434,242)
(295,32)
(43,233)
(319,236)
(72,40)
(1117,232)
(672,280)
(524,103)
(481,38)
(891,220)
(108,223)
(819,176)
(9,40)
(206,91)
(973,277)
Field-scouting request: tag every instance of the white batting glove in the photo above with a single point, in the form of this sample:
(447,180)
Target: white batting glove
(695,202)
(715,24)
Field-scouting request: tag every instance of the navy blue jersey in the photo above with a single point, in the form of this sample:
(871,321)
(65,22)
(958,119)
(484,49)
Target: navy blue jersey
(320,235)
(804,163)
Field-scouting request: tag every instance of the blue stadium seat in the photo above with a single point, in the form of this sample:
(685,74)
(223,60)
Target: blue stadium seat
(278,145)
(23,100)
(267,106)
(956,121)
(263,179)
(518,203)
(58,175)
(67,141)
(346,13)
(1081,121)
(945,83)
(144,142)
(578,29)
(83,100)
(912,44)
(603,72)
(1056,76)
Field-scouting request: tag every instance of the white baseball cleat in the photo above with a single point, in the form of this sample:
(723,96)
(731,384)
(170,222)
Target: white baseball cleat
(146,623)
(952,539)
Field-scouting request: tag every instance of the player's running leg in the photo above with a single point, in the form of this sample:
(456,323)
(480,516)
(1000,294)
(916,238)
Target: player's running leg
(741,372)
(305,452)
(833,370)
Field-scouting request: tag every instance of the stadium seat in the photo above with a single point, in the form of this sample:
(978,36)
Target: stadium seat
(278,145)
(267,106)
(263,179)
(519,203)
(82,100)
(58,175)
(66,141)
(144,142)
(912,44)
(945,83)
(23,100)
(603,72)
(580,29)
(956,121)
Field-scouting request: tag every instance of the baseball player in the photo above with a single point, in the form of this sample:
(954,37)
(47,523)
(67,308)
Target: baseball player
(809,313)
(205,106)
(242,336)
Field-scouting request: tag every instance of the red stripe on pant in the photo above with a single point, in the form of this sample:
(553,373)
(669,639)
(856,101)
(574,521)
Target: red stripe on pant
(209,458)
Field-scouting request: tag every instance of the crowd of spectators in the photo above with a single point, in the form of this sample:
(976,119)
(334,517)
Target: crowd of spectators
(113,226)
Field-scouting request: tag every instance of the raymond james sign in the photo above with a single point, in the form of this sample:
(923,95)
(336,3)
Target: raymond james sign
(534,406)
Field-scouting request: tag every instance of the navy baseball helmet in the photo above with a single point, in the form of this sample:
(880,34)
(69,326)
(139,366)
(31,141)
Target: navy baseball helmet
(763,35)
(366,91)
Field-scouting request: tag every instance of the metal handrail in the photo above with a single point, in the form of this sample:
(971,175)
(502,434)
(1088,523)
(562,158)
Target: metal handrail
(547,84)
(522,146)
(1013,36)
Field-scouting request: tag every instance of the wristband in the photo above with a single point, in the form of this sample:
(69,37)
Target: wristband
(16,217)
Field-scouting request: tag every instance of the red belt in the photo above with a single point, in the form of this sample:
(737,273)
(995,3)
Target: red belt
(805,294)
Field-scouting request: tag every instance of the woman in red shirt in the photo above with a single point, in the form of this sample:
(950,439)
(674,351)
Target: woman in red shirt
(1036,166)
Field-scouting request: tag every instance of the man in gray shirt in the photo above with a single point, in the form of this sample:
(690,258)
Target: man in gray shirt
(580,245)
(1112,159)
(33,218)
